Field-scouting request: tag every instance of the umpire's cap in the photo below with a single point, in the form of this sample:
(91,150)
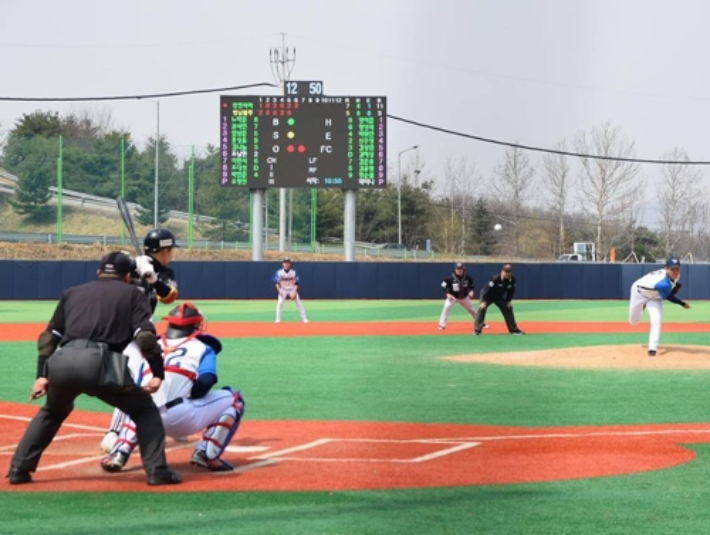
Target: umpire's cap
(157,239)
(116,263)
(184,314)
(673,262)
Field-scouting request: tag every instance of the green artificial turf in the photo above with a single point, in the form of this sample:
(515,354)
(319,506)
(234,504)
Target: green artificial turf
(403,379)
(348,311)
(672,501)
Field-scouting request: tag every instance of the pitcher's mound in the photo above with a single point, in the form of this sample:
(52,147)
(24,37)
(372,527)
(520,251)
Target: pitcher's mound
(676,357)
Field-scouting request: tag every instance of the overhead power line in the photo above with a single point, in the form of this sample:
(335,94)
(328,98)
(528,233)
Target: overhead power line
(390,116)
(137,97)
(541,149)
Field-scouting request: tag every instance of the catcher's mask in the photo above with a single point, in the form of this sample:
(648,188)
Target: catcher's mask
(186,316)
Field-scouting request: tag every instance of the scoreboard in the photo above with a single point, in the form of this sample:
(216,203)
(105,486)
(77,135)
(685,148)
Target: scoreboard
(303,142)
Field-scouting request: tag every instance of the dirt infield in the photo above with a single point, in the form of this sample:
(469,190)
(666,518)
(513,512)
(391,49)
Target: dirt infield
(674,357)
(24,332)
(330,456)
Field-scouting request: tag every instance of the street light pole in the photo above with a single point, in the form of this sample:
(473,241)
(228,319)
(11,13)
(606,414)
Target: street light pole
(399,192)
(157,161)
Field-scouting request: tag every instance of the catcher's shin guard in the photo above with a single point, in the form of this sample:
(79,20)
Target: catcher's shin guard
(219,434)
(127,439)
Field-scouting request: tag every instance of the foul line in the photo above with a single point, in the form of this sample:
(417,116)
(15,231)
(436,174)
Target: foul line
(578,435)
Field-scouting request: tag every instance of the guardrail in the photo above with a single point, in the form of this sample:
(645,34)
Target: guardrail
(85,198)
(320,248)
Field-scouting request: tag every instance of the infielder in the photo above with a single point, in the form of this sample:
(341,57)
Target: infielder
(648,293)
(459,289)
(184,399)
(286,282)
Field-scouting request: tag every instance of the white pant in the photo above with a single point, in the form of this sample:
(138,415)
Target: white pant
(464,302)
(654,305)
(194,415)
(299,306)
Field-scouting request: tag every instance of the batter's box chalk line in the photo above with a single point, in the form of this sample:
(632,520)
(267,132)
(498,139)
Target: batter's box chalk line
(283,455)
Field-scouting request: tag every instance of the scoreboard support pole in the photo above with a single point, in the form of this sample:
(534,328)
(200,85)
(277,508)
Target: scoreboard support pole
(350,202)
(257,224)
(282,219)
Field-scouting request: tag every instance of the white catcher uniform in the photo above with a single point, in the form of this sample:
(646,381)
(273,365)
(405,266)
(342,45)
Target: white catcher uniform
(649,292)
(218,412)
(287,283)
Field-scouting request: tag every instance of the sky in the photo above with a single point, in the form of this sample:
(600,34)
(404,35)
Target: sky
(531,71)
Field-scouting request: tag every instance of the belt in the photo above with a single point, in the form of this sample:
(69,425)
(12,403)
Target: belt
(84,344)
(80,343)
(174,403)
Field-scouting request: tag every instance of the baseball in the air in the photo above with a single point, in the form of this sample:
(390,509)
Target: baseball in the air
(498,226)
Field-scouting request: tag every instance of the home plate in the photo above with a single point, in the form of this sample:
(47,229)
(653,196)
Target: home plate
(246,449)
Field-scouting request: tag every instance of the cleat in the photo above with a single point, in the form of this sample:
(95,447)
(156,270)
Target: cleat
(484,326)
(476,333)
(651,353)
(441,327)
(115,462)
(305,321)
(18,477)
(215,465)
(108,442)
(163,476)
(517,332)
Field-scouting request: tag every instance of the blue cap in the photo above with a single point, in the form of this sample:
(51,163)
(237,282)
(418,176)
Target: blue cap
(673,261)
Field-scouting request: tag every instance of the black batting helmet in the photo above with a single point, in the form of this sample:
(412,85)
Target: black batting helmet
(185,315)
(157,239)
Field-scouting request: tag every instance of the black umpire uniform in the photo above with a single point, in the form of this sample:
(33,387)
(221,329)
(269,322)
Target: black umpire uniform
(102,315)
(499,291)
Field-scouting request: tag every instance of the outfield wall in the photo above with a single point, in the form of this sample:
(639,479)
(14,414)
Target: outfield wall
(22,279)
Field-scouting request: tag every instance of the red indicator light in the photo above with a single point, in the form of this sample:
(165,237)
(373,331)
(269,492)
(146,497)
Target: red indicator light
(301,148)
(291,148)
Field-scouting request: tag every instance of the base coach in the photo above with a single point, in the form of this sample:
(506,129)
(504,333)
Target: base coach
(90,321)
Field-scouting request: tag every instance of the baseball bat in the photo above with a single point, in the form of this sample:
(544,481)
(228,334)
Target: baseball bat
(128,221)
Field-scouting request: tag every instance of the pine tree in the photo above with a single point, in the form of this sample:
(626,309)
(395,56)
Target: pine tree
(482,236)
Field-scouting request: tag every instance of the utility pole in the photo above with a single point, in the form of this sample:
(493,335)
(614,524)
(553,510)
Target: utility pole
(282,62)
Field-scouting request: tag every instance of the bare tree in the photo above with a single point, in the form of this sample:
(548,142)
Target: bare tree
(678,193)
(88,122)
(513,179)
(557,184)
(608,187)
(461,184)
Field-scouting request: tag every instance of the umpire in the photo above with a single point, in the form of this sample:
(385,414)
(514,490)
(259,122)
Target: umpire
(499,291)
(91,319)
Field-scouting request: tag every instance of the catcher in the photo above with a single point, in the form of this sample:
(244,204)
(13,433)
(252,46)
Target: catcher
(184,400)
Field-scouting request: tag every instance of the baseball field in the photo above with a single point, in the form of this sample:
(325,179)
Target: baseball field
(370,420)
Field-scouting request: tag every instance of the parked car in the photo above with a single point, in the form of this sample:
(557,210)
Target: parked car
(569,258)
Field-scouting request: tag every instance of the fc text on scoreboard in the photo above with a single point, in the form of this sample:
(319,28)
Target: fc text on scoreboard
(303,142)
